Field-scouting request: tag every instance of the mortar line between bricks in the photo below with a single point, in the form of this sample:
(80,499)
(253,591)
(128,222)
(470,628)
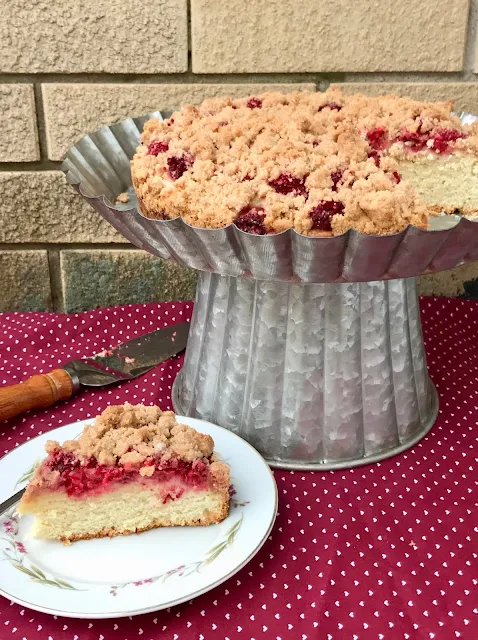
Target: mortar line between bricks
(406,77)
(183,78)
(242,78)
(74,246)
(470,45)
(190,46)
(40,119)
(323,83)
(38,165)
(56,287)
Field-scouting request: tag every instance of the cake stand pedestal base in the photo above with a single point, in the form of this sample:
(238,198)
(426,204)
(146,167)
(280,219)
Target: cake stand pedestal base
(314,376)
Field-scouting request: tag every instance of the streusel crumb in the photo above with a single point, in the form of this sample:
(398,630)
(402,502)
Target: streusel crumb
(130,434)
(123,198)
(321,163)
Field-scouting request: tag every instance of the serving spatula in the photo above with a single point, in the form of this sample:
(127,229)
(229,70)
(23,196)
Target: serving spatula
(124,362)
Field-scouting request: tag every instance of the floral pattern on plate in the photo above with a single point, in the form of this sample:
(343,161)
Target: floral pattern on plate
(99,578)
(16,553)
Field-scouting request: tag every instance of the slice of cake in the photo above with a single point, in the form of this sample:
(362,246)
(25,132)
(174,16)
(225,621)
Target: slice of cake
(132,470)
(320,163)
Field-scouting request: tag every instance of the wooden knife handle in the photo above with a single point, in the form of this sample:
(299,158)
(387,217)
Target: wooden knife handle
(36,393)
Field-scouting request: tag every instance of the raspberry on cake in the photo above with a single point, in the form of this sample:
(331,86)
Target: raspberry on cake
(134,469)
(320,163)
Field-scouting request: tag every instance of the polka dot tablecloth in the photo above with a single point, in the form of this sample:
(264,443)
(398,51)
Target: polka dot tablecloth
(386,551)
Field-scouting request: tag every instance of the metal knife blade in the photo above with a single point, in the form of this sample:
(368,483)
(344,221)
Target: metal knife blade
(123,362)
(129,359)
(9,502)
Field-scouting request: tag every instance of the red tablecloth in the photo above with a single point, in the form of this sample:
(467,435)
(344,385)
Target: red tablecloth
(387,551)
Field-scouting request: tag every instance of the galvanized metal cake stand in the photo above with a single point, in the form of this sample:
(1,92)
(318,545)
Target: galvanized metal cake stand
(309,348)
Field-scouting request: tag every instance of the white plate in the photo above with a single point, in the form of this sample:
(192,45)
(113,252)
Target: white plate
(129,575)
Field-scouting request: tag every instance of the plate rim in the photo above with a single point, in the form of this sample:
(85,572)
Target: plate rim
(177,601)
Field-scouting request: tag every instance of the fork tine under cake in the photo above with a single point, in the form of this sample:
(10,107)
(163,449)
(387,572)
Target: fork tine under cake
(135,468)
(320,163)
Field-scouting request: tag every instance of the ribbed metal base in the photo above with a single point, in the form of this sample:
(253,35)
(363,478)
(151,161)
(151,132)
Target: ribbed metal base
(315,376)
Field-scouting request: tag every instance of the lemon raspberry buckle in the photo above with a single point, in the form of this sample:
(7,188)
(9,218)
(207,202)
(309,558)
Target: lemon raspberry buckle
(321,163)
(132,470)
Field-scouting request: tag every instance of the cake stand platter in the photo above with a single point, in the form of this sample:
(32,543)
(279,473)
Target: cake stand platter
(309,348)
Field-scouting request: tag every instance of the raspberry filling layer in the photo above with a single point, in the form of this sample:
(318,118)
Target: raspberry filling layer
(414,140)
(79,477)
(439,141)
(443,137)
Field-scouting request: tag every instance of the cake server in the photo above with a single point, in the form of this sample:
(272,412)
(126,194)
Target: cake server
(9,502)
(123,362)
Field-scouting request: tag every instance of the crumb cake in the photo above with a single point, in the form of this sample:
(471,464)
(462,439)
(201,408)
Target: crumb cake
(132,470)
(321,163)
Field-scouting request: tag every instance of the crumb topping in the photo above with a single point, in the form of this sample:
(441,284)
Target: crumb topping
(132,434)
(321,163)
(122,198)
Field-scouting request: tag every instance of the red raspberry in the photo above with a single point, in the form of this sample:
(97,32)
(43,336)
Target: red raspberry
(378,138)
(336,177)
(333,106)
(158,146)
(254,103)
(323,213)
(443,137)
(286,184)
(178,165)
(251,220)
(376,157)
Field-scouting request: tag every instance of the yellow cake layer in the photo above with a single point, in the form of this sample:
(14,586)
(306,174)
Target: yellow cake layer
(128,509)
(448,181)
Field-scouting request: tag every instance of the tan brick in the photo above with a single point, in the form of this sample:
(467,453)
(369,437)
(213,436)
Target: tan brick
(72,110)
(100,278)
(38,206)
(464,94)
(19,139)
(448,283)
(76,37)
(327,35)
(25,281)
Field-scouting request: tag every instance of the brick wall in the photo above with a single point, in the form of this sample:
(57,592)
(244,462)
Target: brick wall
(67,68)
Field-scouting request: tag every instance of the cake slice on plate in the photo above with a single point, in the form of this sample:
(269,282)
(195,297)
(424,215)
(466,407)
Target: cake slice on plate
(135,468)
